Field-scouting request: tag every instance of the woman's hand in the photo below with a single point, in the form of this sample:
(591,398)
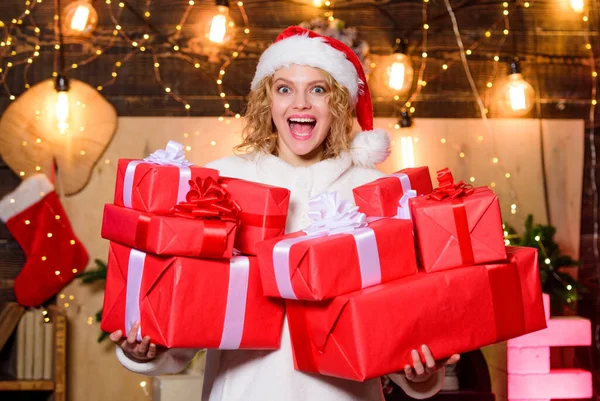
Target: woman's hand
(419,373)
(138,351)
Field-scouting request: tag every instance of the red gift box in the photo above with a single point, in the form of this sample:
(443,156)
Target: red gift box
(371,332)
(168,235)
(298,266)
(457,225)
(263,213)
(151,187)
(382,196)
(190,303)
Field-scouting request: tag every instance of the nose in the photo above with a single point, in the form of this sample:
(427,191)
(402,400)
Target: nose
(301,101)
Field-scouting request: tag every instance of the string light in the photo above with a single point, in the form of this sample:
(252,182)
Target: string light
(483,109)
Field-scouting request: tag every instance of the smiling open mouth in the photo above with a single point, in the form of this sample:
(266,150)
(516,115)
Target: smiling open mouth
(301,128)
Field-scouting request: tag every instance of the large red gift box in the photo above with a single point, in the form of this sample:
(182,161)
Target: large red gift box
(457,225)
(371,332)
(382,196)
(298,266)
(168,235)
(190,303)
(151,187)
(263,214)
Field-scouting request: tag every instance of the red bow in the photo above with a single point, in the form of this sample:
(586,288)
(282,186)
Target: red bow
(207,199)
(448,189)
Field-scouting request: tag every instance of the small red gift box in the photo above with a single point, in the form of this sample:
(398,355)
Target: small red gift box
(371,332)
(316,267)
(263,212)
(190,303)
(158,182)
(168,235)
(382,196)
(457,225)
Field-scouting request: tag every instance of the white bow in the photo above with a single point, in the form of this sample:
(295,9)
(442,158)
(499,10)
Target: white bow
(172,155)
(403,209)
(331,216)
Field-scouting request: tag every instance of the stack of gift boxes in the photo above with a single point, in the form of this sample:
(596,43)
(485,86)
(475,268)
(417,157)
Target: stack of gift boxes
(363,285)
(181,255)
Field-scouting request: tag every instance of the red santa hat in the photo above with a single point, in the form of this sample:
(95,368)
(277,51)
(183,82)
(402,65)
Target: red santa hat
(296,45)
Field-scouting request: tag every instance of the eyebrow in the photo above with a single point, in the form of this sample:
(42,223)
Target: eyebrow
(318,81)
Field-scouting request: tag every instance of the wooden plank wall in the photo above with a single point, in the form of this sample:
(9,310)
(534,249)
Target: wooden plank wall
(12,257)
(548,37)
(589,268)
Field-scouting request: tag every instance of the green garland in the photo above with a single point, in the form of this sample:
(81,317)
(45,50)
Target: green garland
(563,289)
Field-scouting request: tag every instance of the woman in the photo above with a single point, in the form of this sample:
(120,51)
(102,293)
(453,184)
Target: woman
(299,136)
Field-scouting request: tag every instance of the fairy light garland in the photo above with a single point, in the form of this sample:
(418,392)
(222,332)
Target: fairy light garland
(482,108)
(36,48)
(137,45)
(408,105)
(7,44)
(227,63)
(543,253)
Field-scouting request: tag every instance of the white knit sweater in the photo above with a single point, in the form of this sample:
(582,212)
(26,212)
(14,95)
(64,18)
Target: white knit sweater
(243,375)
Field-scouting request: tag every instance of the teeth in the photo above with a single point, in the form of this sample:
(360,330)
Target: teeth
(302,120)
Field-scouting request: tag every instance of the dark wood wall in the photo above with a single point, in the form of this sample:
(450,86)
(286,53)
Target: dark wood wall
(12,257)
(548,37)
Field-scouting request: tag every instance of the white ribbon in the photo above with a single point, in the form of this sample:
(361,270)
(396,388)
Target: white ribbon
(235,310)
(368,256)
(135,271)
(331,216)
(403,208)
(172,155)
(128,182)
(404,181)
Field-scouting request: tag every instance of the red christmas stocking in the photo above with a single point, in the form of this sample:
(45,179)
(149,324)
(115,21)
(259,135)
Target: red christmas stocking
(36,219)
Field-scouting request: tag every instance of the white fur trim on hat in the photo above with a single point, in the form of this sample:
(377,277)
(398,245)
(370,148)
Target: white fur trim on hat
(370,147)
(28,193)
(314,52)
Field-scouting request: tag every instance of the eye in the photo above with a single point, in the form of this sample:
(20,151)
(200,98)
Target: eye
(319,89)
(283,89)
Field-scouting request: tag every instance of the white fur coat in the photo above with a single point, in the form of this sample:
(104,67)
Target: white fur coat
(270,375)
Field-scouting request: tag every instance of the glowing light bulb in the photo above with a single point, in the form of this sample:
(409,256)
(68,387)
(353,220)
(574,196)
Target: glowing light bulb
(399,73)
(62,110)
(79,18)
(518,95)
(220,25)
(577,6)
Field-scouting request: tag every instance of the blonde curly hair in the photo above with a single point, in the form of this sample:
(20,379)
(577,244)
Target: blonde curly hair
(259,132)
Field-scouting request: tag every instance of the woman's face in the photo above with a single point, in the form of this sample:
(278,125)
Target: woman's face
(300,111)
